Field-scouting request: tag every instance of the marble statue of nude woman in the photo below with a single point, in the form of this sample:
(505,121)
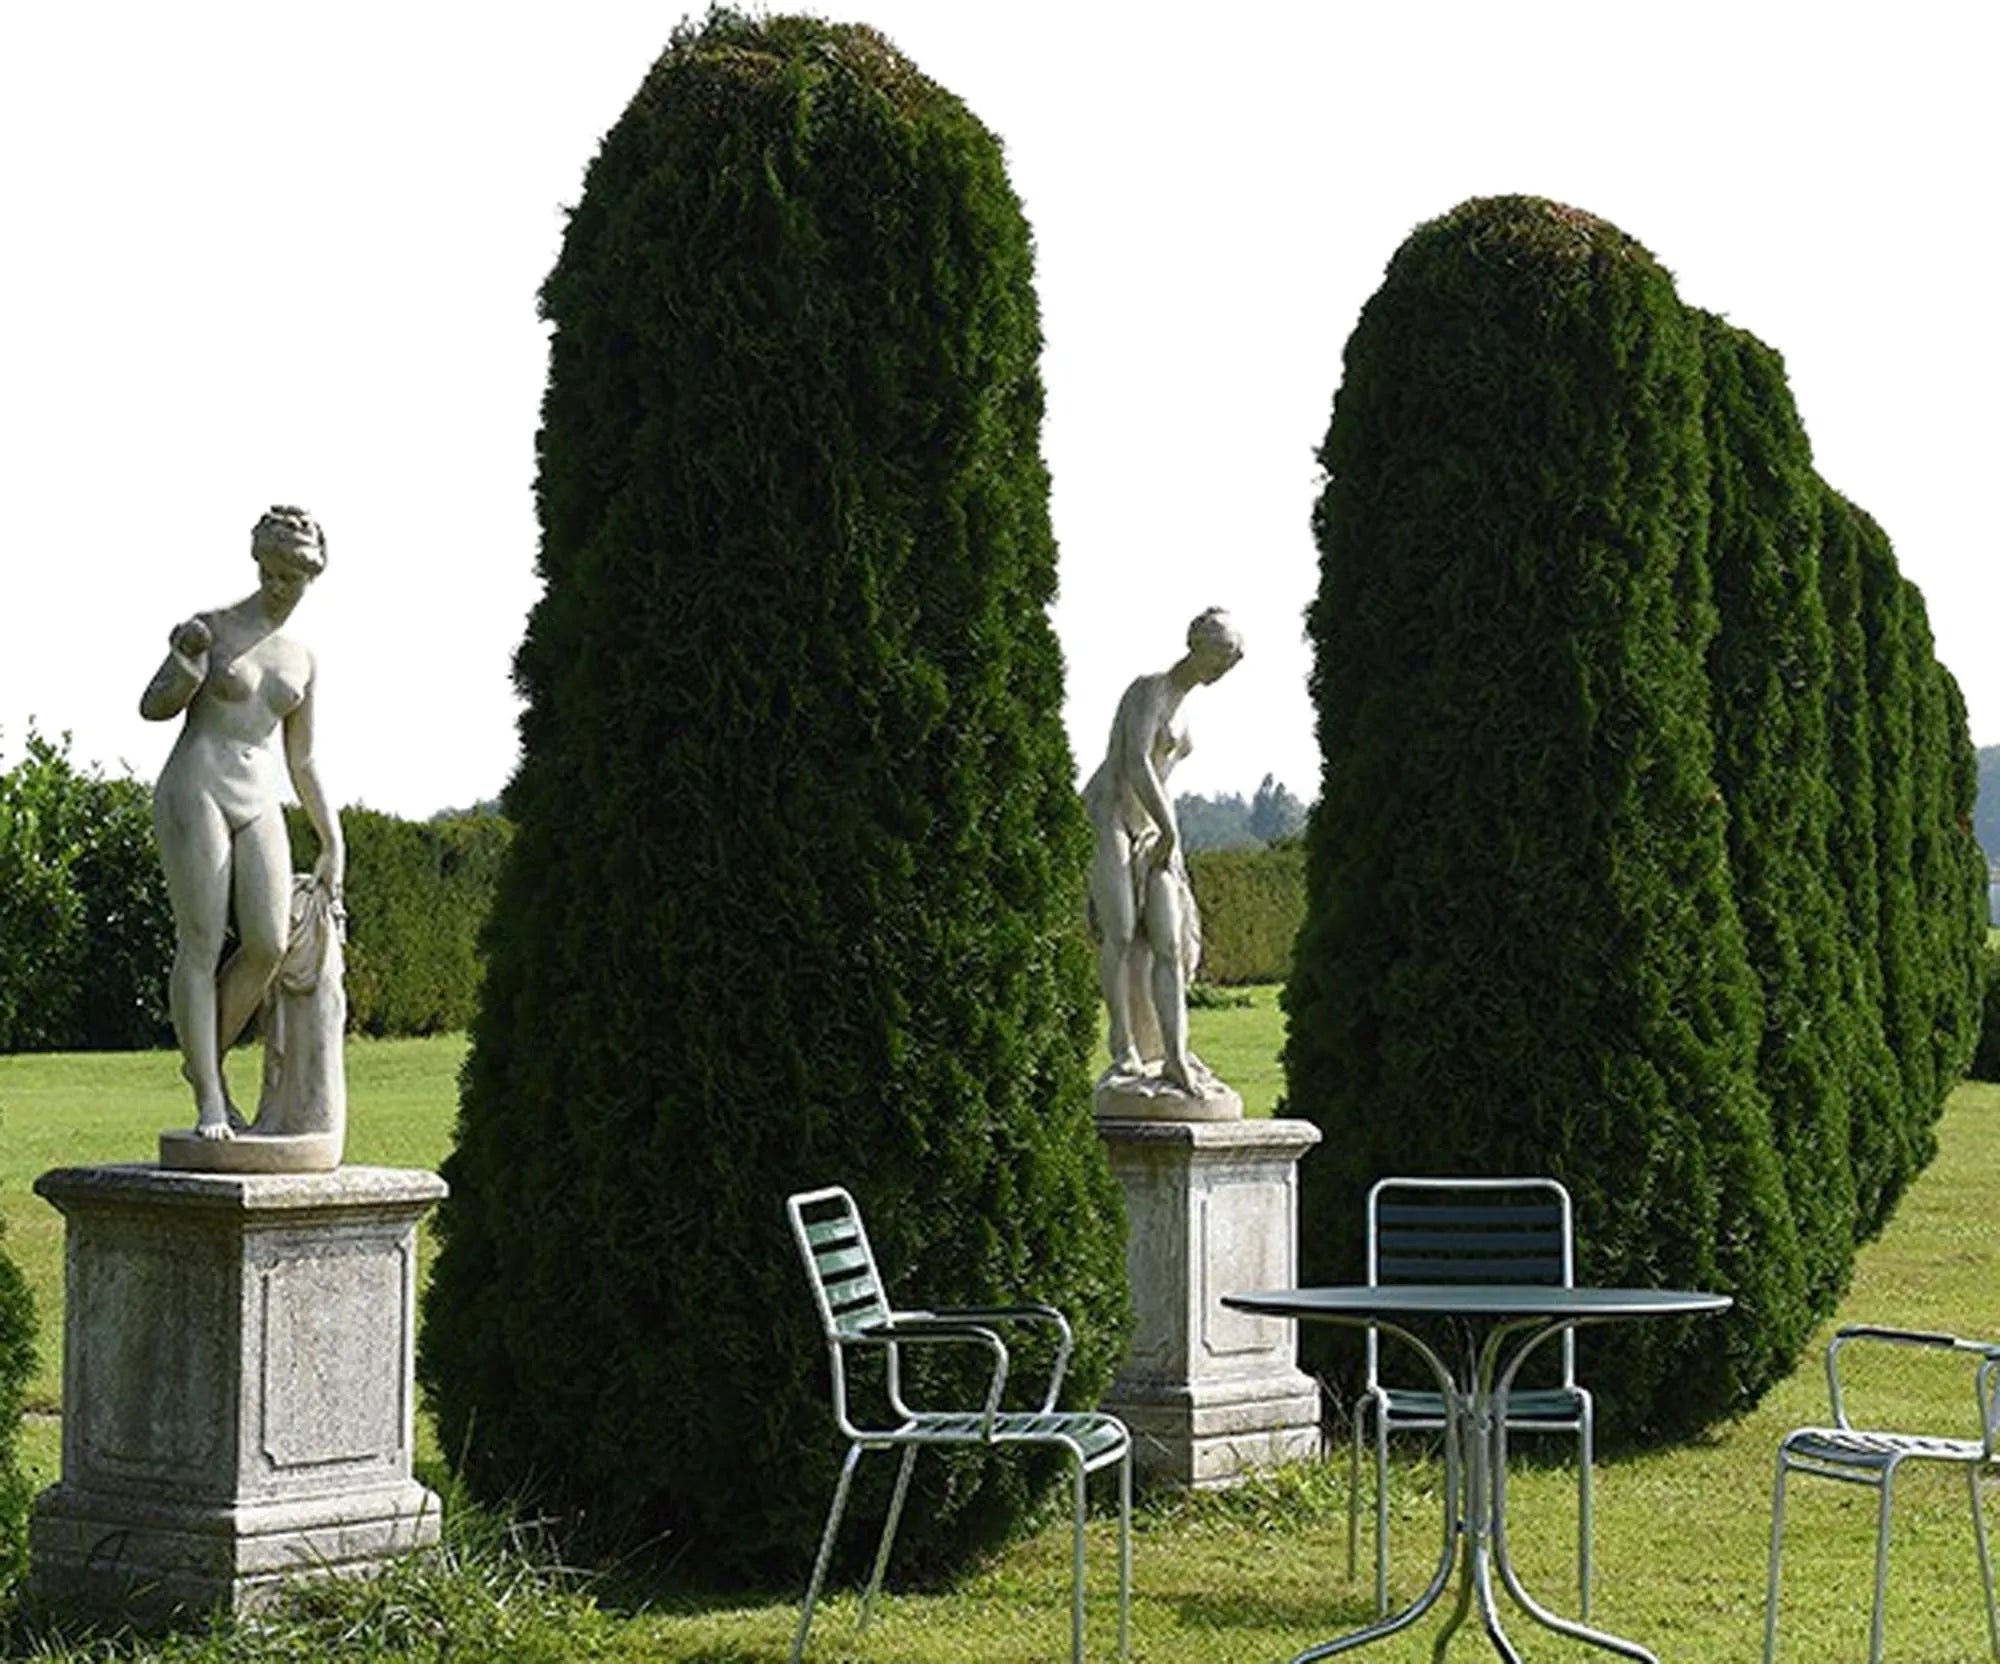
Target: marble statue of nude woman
(1148,933)
(247,694)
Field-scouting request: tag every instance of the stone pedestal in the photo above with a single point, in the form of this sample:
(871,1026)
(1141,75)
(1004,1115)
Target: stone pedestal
(1212,1209)
(238,1391)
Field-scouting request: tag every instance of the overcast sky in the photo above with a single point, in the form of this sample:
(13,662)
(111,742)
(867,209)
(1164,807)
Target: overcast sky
(289,253)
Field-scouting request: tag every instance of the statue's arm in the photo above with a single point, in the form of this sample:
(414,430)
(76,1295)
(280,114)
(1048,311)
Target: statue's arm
(331,868)
(181,672)
(1140,714)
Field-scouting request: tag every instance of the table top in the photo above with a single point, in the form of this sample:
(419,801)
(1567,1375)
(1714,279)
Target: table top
(1497,1300)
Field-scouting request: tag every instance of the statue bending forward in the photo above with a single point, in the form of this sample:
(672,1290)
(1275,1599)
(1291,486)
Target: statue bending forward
(1142,910)
(246,693)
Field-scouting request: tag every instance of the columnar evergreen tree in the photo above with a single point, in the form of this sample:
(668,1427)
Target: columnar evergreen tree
(799,857)
(1822,1059)
(1522,949)
(1590,626)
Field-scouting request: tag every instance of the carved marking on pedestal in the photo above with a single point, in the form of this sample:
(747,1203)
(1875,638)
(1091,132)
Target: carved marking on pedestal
(333,1359)
(1245,1229)
(150,1331)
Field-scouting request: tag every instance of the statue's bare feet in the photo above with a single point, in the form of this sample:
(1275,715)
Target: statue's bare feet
(215,1126)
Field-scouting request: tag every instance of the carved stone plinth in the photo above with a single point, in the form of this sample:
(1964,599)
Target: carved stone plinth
(1210,1394)
(238,1393)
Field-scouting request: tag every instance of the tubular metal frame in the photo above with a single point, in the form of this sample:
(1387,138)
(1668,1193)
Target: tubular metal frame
(854,1311)
(1853,1455)
(1563,1409)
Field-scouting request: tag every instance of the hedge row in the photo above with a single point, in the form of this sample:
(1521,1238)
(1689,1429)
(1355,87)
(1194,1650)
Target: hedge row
(87,936)
(1591,627)
(417,898)
(1252,901)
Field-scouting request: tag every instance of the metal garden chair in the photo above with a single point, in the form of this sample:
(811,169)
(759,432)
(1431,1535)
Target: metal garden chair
(1865,1456)
(854,1312)
(1427,1230)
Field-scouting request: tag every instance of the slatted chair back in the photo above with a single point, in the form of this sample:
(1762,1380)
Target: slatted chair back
(839,1262)
(1506,1230)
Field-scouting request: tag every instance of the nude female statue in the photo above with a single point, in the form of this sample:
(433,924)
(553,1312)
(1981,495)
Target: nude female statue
(216,808)
(1142,909)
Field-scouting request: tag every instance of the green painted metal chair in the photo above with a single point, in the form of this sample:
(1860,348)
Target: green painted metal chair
(1438,1230)
(854,1312)
(1865,1456)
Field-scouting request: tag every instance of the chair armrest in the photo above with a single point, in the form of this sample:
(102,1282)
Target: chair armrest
(1034,1312)
(1936,1340)
(920,1328)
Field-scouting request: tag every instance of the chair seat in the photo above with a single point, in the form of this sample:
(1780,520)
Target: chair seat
(1557,1406)
(1100,1438)
(1867,1451)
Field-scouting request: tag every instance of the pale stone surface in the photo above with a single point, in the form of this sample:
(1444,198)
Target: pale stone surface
(1142,909)
(238,1385)
(246,694)
(1151,1097)
(1211,1208)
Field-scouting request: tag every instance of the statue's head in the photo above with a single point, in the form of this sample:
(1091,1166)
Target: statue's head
(1214,644)
(289,539)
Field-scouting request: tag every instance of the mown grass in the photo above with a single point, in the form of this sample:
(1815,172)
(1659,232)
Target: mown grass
(1256,1574)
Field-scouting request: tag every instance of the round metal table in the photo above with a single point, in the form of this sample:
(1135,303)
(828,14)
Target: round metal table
(1501,1324)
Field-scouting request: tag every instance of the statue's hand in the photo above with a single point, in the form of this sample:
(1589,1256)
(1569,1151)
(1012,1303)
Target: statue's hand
(191,638)
(330,874)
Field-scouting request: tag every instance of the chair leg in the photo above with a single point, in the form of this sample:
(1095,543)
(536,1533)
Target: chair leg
(825,1554)
(1125,1559)
(1354,1486)
(1076,1566)
(1881,1566)
(1985,1559)
(1381,1513)
(888,1532)
(1777,1545)
(1586,1453)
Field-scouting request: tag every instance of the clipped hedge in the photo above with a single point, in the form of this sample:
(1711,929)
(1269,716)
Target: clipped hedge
(1252,902)
(799,855)
(418,893)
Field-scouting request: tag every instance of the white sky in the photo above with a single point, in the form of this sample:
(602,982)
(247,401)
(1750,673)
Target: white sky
(289,253)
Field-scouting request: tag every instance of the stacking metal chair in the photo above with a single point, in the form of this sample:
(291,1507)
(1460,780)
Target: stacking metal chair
(1864,1456)
(854,1312)
(1509,1230)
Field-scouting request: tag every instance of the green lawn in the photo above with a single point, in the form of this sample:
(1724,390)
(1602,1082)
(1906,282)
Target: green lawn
(1252,1576)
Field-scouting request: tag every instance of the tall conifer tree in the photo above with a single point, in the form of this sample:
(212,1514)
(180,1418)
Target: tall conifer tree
(1522,949)
(799,859)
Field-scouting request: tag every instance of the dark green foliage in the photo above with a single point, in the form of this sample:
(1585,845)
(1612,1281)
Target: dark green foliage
(1822,1060)
(1251,903)
(1986,1057)
(1511,633)
(85,930)
(417,897)
(798,863)
(17,1362)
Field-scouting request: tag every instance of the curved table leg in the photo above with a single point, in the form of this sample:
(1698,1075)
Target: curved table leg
(1455,1524)
(1527,1602)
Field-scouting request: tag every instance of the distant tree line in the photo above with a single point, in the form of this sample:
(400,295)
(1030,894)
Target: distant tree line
(87,935)
(1271,816)
(1644,852)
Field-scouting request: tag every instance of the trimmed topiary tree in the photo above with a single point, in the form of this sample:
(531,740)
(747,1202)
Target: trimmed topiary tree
(1522,950)
(1822,1060)
(798,857)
